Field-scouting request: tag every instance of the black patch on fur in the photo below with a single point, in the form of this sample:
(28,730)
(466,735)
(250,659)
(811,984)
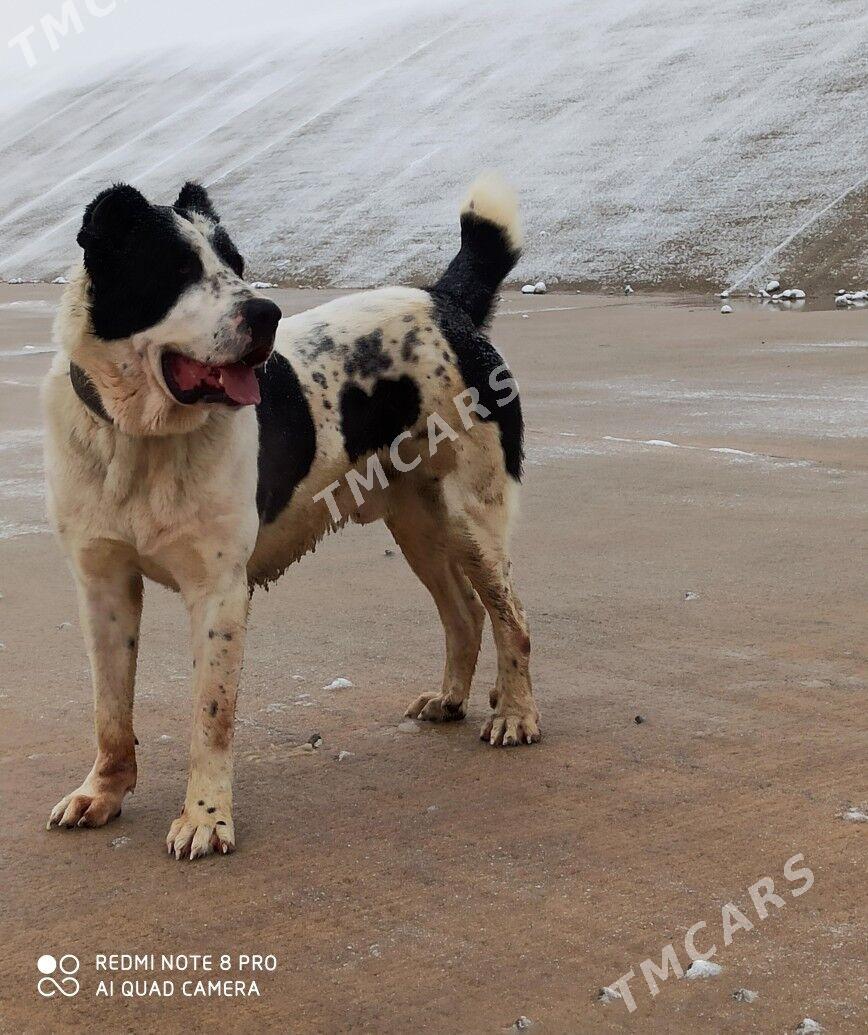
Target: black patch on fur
(320,378)
(372,422)
(409,345)
(368,358)
(194,198)
(223,244)
(477,358)
(287,437)
(85,389)
(139,263)
(474,275)
(319,343)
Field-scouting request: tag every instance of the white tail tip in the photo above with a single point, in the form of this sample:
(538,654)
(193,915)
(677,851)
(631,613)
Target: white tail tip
(491,197)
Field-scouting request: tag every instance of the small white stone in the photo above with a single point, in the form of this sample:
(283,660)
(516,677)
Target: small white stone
(522,1024)
(840,291)
(338,684)
(628,290)
(726,308)
(745,995)
(763,293)
(689,595)
(808,1027)
(15,280)
(60,280)
(408,726)
(797,293)
(773,286)
(344,754)
(524,316)
(723,294)
(120,842)
(607,994)
(165,739)
(855,815)
(262,285)
(540,288)
(702,969)
(528,289)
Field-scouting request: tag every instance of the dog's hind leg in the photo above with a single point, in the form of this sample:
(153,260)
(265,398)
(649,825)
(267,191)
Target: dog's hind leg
(418,530)
(110,602)
(479,500)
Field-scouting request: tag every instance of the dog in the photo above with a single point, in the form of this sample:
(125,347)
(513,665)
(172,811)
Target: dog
(197,439)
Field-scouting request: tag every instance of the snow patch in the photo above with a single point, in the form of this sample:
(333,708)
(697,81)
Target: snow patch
(607,994)
(339,684)
(745,995)
(702,969)
(855,815)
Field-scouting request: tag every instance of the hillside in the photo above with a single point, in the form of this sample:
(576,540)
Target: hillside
(672,144)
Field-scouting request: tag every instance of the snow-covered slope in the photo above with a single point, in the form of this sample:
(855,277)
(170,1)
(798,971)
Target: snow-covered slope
(668,142)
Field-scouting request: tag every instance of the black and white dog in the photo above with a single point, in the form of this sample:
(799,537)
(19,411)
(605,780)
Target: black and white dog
(196,440)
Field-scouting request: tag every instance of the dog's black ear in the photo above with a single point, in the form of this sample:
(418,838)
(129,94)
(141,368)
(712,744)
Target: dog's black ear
(194,198)
(112,215)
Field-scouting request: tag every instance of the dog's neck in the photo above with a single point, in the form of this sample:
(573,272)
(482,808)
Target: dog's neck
(85,389)
(114,379)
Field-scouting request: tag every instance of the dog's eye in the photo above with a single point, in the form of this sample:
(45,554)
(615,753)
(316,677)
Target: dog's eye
(190,270)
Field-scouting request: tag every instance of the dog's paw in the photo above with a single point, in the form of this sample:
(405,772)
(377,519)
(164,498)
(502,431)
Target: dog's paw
(512,728)
(437,708)
(88,806)
(200,830)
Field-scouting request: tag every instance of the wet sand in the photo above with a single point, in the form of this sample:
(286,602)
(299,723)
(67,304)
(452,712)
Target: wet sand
(691,552)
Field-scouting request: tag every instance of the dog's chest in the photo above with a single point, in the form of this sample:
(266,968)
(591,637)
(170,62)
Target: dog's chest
(158,494)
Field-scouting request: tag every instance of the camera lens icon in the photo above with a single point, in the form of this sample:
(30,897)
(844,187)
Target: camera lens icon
(48,986)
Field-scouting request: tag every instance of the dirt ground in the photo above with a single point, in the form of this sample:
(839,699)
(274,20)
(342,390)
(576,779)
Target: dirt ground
(692,552)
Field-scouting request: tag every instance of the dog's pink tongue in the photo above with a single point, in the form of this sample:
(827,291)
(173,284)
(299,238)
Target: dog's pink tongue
(189,373)
(240,384)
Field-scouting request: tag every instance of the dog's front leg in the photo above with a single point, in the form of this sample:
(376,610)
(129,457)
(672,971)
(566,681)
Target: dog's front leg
(110,604)
(218,618)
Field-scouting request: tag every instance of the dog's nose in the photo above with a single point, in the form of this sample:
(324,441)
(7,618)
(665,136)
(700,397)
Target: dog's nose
(262,318)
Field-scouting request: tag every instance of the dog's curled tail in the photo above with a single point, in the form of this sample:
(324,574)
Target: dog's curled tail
(491,240)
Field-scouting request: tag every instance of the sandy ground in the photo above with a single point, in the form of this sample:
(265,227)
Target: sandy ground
(692,551)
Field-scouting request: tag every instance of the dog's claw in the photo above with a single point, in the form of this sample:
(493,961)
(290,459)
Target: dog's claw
(511,730)
(193,837)
(437,707)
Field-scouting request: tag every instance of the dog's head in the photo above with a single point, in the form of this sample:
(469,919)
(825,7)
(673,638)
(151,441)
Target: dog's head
(173,328)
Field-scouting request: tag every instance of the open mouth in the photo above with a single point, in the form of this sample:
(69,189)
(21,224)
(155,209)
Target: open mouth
(234,384)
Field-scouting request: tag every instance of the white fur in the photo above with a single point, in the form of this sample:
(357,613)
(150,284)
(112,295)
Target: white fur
(492,198)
